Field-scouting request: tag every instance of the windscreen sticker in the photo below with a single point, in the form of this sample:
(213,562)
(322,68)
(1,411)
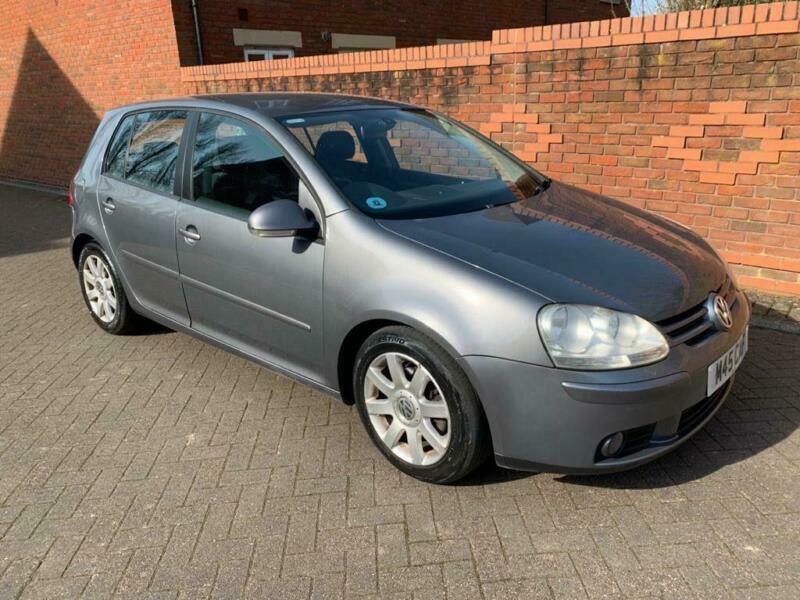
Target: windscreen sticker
(295,121)
(376,203)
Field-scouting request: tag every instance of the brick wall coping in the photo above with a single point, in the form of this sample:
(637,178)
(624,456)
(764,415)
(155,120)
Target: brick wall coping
(715,23)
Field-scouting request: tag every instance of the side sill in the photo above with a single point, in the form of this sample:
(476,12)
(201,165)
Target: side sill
(167,322)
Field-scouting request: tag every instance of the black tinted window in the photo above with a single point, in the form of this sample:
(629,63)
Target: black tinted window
(153,152)
(115,161)
(236,164)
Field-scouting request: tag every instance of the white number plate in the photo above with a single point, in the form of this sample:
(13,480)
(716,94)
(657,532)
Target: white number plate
(722,369)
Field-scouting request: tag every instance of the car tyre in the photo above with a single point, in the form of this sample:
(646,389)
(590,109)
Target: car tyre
(434,431)
(103,292)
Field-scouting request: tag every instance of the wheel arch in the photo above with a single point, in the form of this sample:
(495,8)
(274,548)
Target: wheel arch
(78,244)
(348,350)
(356,336)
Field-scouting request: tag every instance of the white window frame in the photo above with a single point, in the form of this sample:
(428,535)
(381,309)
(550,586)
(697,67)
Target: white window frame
(267,53)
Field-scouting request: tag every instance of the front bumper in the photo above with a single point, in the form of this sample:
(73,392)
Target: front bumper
(546,419)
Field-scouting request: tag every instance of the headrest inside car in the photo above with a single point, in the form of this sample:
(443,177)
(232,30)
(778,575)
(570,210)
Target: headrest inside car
(335,146)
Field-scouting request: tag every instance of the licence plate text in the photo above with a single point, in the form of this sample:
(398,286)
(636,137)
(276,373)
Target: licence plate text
(721,370)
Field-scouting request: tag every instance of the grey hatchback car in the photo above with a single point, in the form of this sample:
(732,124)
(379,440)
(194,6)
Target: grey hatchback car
(398,260)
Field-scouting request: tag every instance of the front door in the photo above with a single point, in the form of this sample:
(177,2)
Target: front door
(139,208)
(261,295)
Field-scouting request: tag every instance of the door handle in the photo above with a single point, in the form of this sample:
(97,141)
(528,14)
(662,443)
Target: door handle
(108,205)
(190,233)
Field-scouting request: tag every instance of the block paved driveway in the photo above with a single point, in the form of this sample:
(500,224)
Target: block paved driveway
(157,466)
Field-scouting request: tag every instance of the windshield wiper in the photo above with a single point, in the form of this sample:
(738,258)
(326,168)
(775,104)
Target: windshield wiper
(545,183)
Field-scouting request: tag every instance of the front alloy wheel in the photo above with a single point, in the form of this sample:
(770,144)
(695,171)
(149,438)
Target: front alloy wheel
(418,406)
(407,409)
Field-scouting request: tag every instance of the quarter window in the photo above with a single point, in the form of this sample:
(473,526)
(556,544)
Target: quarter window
(153,151)
(235,164)
(118,150)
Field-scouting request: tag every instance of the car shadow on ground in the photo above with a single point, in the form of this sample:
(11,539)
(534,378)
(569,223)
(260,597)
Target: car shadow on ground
(760,413)
(148,327)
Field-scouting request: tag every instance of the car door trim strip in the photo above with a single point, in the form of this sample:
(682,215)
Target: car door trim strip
(148,263)
(245,303)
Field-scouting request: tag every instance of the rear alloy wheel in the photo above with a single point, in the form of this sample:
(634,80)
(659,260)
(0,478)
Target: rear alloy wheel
(99,289)
(418,406)
(103,292)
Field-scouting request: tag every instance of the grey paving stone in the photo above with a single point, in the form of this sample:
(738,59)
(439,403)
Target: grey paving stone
(155,466)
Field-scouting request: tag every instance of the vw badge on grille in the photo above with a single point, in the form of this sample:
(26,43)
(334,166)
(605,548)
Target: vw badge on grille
(720,312)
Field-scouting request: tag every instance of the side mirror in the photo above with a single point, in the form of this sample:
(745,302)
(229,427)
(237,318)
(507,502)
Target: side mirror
(281,218)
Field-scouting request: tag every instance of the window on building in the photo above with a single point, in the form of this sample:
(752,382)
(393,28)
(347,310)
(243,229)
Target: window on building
(268,54)
(236,164)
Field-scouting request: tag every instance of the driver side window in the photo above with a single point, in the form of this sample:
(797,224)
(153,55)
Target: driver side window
(237,165)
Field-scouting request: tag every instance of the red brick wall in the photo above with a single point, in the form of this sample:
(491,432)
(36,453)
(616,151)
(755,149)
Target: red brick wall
(412,23)
(693,115)
(62,64)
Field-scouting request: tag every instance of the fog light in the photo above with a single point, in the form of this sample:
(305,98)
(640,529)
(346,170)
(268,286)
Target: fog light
(612,444)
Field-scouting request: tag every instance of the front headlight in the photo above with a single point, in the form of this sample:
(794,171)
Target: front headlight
(594,338)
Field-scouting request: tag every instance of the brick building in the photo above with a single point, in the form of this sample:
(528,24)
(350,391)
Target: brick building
(259,29)
(693,115)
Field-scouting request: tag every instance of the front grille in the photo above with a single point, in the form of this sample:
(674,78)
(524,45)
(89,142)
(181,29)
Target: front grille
(694,325)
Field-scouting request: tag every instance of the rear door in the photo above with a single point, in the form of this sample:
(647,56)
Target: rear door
(138,204)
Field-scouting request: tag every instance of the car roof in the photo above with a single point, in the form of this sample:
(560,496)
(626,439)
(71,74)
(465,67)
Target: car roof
(282,104)
(273,105)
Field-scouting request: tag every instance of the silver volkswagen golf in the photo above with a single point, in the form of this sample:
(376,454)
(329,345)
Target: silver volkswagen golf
(398,260)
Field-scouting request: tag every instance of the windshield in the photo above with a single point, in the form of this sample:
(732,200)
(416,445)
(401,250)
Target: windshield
(402,163)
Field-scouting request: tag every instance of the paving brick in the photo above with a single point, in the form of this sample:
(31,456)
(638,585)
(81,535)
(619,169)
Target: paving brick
(392,549)
(236,483)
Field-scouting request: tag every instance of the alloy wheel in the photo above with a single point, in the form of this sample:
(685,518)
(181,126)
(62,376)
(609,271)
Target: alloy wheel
(407,409)
(99,287)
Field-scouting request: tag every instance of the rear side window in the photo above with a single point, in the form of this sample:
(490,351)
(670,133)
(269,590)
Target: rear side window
(153,151)
(237,165)
(118,150)
(144,149)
